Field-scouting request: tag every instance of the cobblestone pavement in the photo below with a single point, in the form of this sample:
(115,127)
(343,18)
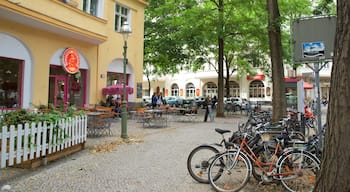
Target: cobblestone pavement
(154,160)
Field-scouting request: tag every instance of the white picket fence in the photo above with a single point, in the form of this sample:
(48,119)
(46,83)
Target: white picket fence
(20,143)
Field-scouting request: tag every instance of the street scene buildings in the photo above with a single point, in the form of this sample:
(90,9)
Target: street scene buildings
(35,37)
(89,55)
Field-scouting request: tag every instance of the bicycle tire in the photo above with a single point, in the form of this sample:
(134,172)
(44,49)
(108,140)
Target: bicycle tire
(198,162)
(298,170)
(234,173)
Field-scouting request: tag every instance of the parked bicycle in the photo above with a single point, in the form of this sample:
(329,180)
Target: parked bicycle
(202,156)
(295,168)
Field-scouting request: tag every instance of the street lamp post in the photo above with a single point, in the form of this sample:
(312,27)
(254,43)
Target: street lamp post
(125,31)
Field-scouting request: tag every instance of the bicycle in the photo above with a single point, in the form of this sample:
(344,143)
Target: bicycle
(200,157)
(231,170)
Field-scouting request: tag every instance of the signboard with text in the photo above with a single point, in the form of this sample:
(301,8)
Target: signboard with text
(313,38)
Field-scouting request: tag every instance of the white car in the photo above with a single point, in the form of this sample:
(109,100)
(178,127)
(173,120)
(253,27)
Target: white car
(147,100)
(237,101)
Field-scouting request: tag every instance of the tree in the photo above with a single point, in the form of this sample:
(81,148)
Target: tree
(185,35)
(335,167)
(279,97)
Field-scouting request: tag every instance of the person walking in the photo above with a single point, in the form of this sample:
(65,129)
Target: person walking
(154,100)
(207,104)
(159,101)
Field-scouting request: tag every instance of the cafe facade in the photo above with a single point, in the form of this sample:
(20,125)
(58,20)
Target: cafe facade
(65,52)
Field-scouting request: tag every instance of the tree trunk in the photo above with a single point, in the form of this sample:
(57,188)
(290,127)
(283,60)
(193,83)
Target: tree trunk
(227,82)
(278,95)
(335,167)
(220,106)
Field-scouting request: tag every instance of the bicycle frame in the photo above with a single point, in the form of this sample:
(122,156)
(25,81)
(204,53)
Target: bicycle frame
(248,151)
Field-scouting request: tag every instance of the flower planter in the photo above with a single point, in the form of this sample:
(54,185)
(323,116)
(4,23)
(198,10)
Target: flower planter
(37,162)
(33,144)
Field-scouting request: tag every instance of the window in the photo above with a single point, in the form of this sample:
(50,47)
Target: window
(174,90)
(256,89)
(10,82)
(234,89)
(114,78)
(210,89)
(121,14)
(93,7)
(190,90)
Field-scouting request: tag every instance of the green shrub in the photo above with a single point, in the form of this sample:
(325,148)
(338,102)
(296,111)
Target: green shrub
(24,116)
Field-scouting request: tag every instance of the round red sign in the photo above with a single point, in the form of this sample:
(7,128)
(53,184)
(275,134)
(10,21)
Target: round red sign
(71,60)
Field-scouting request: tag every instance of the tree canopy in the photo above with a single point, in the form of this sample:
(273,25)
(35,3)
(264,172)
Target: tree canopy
(186,34)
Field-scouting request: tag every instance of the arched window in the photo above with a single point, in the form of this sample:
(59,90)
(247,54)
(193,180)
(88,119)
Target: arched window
(174,90)
(256,89)
(190,90)
(234,89)
(268,91)
(210,89)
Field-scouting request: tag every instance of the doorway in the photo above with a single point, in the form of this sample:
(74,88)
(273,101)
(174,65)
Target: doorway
(58,90)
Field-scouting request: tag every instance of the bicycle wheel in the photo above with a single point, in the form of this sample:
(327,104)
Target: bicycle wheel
(198,162)
(297,170)
(234,172)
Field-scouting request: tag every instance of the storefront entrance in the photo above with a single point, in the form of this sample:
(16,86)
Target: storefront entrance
(58,90)
(66,89)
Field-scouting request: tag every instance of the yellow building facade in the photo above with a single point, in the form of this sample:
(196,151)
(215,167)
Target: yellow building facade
(36,35)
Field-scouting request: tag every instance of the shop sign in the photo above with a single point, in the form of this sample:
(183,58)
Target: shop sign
(71,60)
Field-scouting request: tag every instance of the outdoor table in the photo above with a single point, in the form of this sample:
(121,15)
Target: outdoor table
(184,114)
(154,118)
(98,124)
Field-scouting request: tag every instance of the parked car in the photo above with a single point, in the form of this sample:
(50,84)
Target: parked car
(190,104)
(237,102)
(199,101)
(171,100)
(147,100)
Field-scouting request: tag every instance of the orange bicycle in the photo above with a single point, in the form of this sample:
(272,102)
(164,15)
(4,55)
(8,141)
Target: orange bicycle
(295,168)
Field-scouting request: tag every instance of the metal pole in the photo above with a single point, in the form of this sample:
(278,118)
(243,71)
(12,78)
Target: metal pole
(124,134)
(318,101)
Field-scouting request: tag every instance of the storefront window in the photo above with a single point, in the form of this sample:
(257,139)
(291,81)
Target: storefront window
(174,90)
(256,89)
(234,89)
(76,88)
(10,82)
(210,89)
(190,90)
(116,78)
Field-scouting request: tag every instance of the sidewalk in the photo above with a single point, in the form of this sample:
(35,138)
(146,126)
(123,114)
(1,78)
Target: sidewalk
(135,132)
(149,145)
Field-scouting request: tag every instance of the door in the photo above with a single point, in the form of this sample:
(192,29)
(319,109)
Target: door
(58,91)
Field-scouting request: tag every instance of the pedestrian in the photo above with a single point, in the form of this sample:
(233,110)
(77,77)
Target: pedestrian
(160,100)
(207,104)
(214,100)
(154,100)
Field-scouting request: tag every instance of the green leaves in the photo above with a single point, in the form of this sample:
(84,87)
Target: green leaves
(178,32)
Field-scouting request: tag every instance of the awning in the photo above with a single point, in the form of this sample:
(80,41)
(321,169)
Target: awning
(256,77)
(308,86)
(295,80)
